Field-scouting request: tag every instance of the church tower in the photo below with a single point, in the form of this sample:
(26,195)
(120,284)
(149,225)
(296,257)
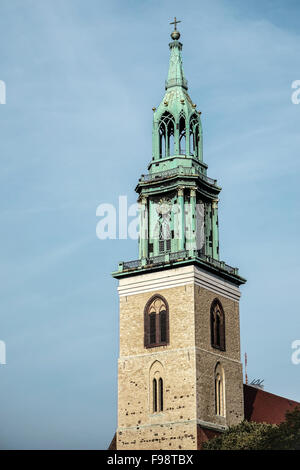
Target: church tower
(179,371)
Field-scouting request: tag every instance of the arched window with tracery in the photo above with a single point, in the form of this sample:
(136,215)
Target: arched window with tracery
(156,322)
(217,325)
(194,135)
(219,391)
(166,135)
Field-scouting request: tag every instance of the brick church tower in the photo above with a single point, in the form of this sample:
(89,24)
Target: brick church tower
(179,371)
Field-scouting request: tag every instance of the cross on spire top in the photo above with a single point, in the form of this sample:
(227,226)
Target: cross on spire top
(176,34)
(175,22)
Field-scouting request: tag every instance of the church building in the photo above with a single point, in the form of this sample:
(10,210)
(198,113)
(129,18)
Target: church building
(180,377)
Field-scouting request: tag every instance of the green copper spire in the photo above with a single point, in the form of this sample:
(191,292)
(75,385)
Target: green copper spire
(178,202)
(177,129)
(176,74)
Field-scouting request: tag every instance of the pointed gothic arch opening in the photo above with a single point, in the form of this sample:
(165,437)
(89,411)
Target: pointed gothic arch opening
(194,135)
(220,408)
(217,325)
(154,395)
(161,394)
(156,322)
(156,392)
(166,135)
(182,134)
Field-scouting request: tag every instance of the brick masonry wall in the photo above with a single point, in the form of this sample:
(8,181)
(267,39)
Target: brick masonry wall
(181,320)
(187,364)
(207,358)
(175,436)
(203,301)
(135,402)
(234,401)
(177,360)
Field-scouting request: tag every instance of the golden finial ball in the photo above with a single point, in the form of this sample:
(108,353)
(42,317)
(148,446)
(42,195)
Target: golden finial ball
(175,35)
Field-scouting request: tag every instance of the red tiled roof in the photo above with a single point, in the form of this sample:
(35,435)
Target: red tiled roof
(264,407)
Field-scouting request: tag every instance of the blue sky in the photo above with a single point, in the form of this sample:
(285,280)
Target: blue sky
(82,77)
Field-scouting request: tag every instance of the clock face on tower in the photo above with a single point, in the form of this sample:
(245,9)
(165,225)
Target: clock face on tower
(164,206)
(162,229)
